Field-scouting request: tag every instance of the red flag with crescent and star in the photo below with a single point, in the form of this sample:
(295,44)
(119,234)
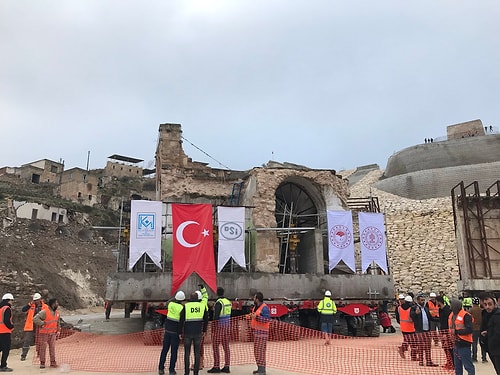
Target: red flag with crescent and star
(193,249)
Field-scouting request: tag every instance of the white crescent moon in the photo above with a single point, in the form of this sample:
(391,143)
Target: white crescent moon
(179,234)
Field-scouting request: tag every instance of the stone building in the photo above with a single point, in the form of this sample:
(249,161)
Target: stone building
(41,171)
(123,166)
(275,196)
(79,185)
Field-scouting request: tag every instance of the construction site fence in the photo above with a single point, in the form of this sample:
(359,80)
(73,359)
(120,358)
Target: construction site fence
(289,348)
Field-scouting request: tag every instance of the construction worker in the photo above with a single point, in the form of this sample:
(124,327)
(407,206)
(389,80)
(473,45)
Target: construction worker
(173,328)
(49,329)
(202,297)
(433,308)
(31,309)
(261,320)
(467,303)
(327,309)
(195,325)
(221,332)
(407,328)
(6,328)
(460,324)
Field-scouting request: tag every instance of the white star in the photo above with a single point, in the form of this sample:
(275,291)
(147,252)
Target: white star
(205,232)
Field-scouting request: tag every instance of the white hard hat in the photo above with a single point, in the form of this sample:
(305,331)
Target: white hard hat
(198,293)
(37,296)
(328,293)
(401,296)
(432,294)
(180,296)
(408,299)
(8,296)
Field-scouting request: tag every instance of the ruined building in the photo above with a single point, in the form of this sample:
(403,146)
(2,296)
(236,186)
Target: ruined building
(275,196)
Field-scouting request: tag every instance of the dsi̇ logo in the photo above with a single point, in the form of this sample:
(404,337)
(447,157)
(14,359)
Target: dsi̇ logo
(231,231)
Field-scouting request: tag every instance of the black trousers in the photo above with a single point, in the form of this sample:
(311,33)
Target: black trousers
(495,359)
(4,348)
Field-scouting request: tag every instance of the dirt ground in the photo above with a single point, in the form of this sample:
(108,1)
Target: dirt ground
(40,255)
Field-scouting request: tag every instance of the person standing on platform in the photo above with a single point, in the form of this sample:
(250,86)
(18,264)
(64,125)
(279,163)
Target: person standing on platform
(31,309)
(6,328)
(173,328)
(327,309)
(221,332)
(260,322)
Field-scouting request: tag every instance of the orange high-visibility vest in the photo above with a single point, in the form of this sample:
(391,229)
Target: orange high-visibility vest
(3,327)
(28,325)
(405,321)
(433,309)
(51,321)
(261,326)
(459,324)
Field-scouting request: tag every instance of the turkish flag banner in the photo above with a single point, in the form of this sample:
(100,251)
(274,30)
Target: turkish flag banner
(193,247)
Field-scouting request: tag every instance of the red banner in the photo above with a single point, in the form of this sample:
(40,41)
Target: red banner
(193,249)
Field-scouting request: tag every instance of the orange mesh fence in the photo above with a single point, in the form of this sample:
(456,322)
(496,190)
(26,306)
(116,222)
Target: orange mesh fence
(289,348)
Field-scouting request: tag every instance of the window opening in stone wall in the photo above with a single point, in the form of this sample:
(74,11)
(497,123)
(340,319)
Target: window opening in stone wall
(35,178)
(79,194)
(54,217)
(90,197)
(61,218)
(34,214)
(53,169)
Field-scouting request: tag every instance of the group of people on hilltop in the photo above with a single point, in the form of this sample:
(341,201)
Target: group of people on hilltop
(191,320)
(457,325)
(42,327)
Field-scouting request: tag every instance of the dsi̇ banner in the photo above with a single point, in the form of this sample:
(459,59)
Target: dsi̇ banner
(231,236)
(340,239)
(372,240)
(193,244)
(145,231)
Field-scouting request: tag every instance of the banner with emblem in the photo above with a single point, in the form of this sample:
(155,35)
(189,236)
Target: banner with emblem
(340,239)
(145,231)
(231,236)
(193,244)
(372,240)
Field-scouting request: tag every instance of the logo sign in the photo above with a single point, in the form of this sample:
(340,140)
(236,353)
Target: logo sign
(146,225)
(231,231)
(356,310)
(340,236)
(372,238)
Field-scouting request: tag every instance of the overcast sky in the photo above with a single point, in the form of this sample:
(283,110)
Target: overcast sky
(326,84)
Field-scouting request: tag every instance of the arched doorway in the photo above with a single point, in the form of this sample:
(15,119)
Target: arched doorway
(297,206)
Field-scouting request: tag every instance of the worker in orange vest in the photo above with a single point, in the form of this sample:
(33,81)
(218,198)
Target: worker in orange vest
(31,309)
(460,324)
(407,328)
(49,329)
(6,328)
(433,307)
(260,323)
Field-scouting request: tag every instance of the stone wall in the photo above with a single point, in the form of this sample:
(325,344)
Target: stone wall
(438,182)
(420,239)
(453,153)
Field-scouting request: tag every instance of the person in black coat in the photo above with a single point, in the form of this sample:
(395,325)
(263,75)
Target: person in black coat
(490,329)
(422,322)
(444,313)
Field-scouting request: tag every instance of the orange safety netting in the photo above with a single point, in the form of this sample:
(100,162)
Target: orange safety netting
(289,348)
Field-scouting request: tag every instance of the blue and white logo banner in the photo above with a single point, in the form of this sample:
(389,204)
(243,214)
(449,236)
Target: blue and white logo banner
(340,239)
(372,240)
(145,231)
(231,236)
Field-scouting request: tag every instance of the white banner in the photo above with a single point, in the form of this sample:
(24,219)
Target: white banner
(340,239)
(372,240)
(145,231)
(231,236)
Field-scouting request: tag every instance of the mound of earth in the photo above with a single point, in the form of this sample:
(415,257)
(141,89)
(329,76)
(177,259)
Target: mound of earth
(69,262)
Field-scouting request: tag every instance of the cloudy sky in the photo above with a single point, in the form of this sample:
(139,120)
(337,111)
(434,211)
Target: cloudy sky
(323,83)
